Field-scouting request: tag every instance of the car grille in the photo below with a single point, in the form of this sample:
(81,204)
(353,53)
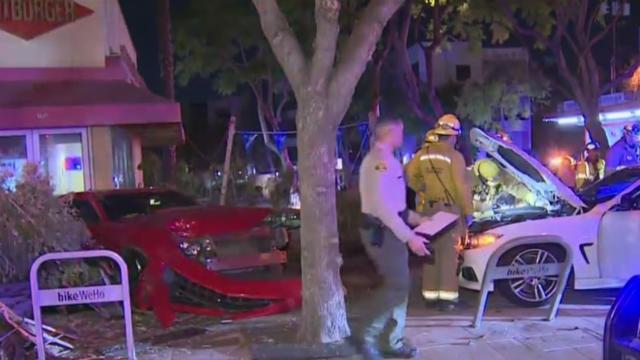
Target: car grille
(256,241)
(189,293)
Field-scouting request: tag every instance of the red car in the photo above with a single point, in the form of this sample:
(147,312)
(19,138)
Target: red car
(184,257)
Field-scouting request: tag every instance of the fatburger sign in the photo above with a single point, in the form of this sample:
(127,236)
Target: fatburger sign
(28,19)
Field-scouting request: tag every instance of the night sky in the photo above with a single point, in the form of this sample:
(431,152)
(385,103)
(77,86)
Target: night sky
(141,19)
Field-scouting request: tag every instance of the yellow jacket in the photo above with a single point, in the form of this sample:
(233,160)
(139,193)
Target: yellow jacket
(587,173)
(438,172)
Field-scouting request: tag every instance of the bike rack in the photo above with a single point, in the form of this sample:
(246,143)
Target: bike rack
(495,272)
(80,295)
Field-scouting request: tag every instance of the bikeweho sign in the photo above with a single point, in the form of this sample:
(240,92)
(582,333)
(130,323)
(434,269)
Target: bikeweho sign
(560,271)
(28,19)
(80,295)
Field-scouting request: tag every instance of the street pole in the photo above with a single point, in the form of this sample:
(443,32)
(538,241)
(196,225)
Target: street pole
(227,159)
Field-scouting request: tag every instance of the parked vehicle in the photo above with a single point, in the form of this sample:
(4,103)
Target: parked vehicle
(622,328)
(600,225)
(185,257)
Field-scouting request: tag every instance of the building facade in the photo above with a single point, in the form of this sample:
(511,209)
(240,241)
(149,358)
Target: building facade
(616,111)
(71,99)
(458,62)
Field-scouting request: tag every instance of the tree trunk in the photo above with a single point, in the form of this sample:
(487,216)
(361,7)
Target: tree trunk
(429,84)
(429,51)
(408,78)
(593,125)
(166,62)
(323,304)
(324,89)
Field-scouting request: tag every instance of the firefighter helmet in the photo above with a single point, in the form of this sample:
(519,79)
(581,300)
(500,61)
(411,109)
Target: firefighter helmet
(487,169)
(448,125)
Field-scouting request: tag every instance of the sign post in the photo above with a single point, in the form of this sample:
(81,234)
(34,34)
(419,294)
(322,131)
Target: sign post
(80,295)
(495,272)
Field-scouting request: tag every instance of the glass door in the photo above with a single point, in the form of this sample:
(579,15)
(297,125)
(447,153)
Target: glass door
(15,151)
(63,156)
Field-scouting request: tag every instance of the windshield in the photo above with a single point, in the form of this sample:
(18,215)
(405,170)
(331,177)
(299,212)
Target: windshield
(118,206)
(610,186)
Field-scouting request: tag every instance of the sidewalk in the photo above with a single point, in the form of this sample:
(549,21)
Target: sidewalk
(512,334)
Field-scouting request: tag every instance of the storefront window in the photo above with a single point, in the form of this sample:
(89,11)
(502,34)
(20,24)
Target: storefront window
(123,169)
(13,156)
(61,159)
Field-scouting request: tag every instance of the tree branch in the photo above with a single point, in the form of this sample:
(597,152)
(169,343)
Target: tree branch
(327,13)
(622,78)
(596,39)
(593,17)
(358,50)
(283,102)
(283,41)
(508,12)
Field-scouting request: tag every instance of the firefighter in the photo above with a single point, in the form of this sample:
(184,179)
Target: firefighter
(421,201)
(626,151)
(438,170)
(496,187)
(591,167)
(564,167)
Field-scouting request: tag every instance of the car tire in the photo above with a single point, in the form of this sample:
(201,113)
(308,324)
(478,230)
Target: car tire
(530,292)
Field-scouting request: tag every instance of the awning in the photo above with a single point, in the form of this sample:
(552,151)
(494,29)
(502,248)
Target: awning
(82,103)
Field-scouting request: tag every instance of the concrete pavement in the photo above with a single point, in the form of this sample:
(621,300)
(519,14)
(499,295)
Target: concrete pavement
(510,334)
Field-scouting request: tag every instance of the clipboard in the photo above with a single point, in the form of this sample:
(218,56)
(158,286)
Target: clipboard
(437,224)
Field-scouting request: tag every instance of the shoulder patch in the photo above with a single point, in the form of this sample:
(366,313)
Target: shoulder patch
(381,166)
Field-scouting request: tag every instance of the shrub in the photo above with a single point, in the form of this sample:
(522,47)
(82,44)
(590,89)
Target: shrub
(33,221)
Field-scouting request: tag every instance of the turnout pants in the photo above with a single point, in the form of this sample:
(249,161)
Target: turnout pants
(384,311)
(440,278)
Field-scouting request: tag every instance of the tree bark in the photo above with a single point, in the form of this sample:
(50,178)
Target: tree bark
(323,300)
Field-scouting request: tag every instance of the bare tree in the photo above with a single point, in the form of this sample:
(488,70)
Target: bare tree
(323,84)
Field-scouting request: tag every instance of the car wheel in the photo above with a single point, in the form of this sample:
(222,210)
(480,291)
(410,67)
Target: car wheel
(530,291)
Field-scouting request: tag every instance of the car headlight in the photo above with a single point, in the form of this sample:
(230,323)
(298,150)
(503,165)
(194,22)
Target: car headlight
(286,219)
(481,240)
(202,249)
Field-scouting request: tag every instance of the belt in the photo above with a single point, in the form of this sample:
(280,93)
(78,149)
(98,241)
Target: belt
(370,222)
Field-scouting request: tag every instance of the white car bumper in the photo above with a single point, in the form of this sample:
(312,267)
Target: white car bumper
(474,266)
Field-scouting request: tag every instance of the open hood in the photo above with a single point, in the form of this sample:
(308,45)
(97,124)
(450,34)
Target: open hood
(525,168)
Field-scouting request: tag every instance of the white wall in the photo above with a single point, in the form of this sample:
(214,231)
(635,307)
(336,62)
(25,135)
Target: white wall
(453,54)
(459,53)
(82,43)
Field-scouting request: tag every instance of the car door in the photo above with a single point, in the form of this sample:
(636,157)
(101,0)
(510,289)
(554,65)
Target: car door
(619,239)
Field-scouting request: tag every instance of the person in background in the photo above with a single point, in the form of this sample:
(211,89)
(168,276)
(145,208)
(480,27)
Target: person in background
(626,151)
(591,167)
(564,167)
(420,198)
(438,170)
(495,187)
(386,231)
